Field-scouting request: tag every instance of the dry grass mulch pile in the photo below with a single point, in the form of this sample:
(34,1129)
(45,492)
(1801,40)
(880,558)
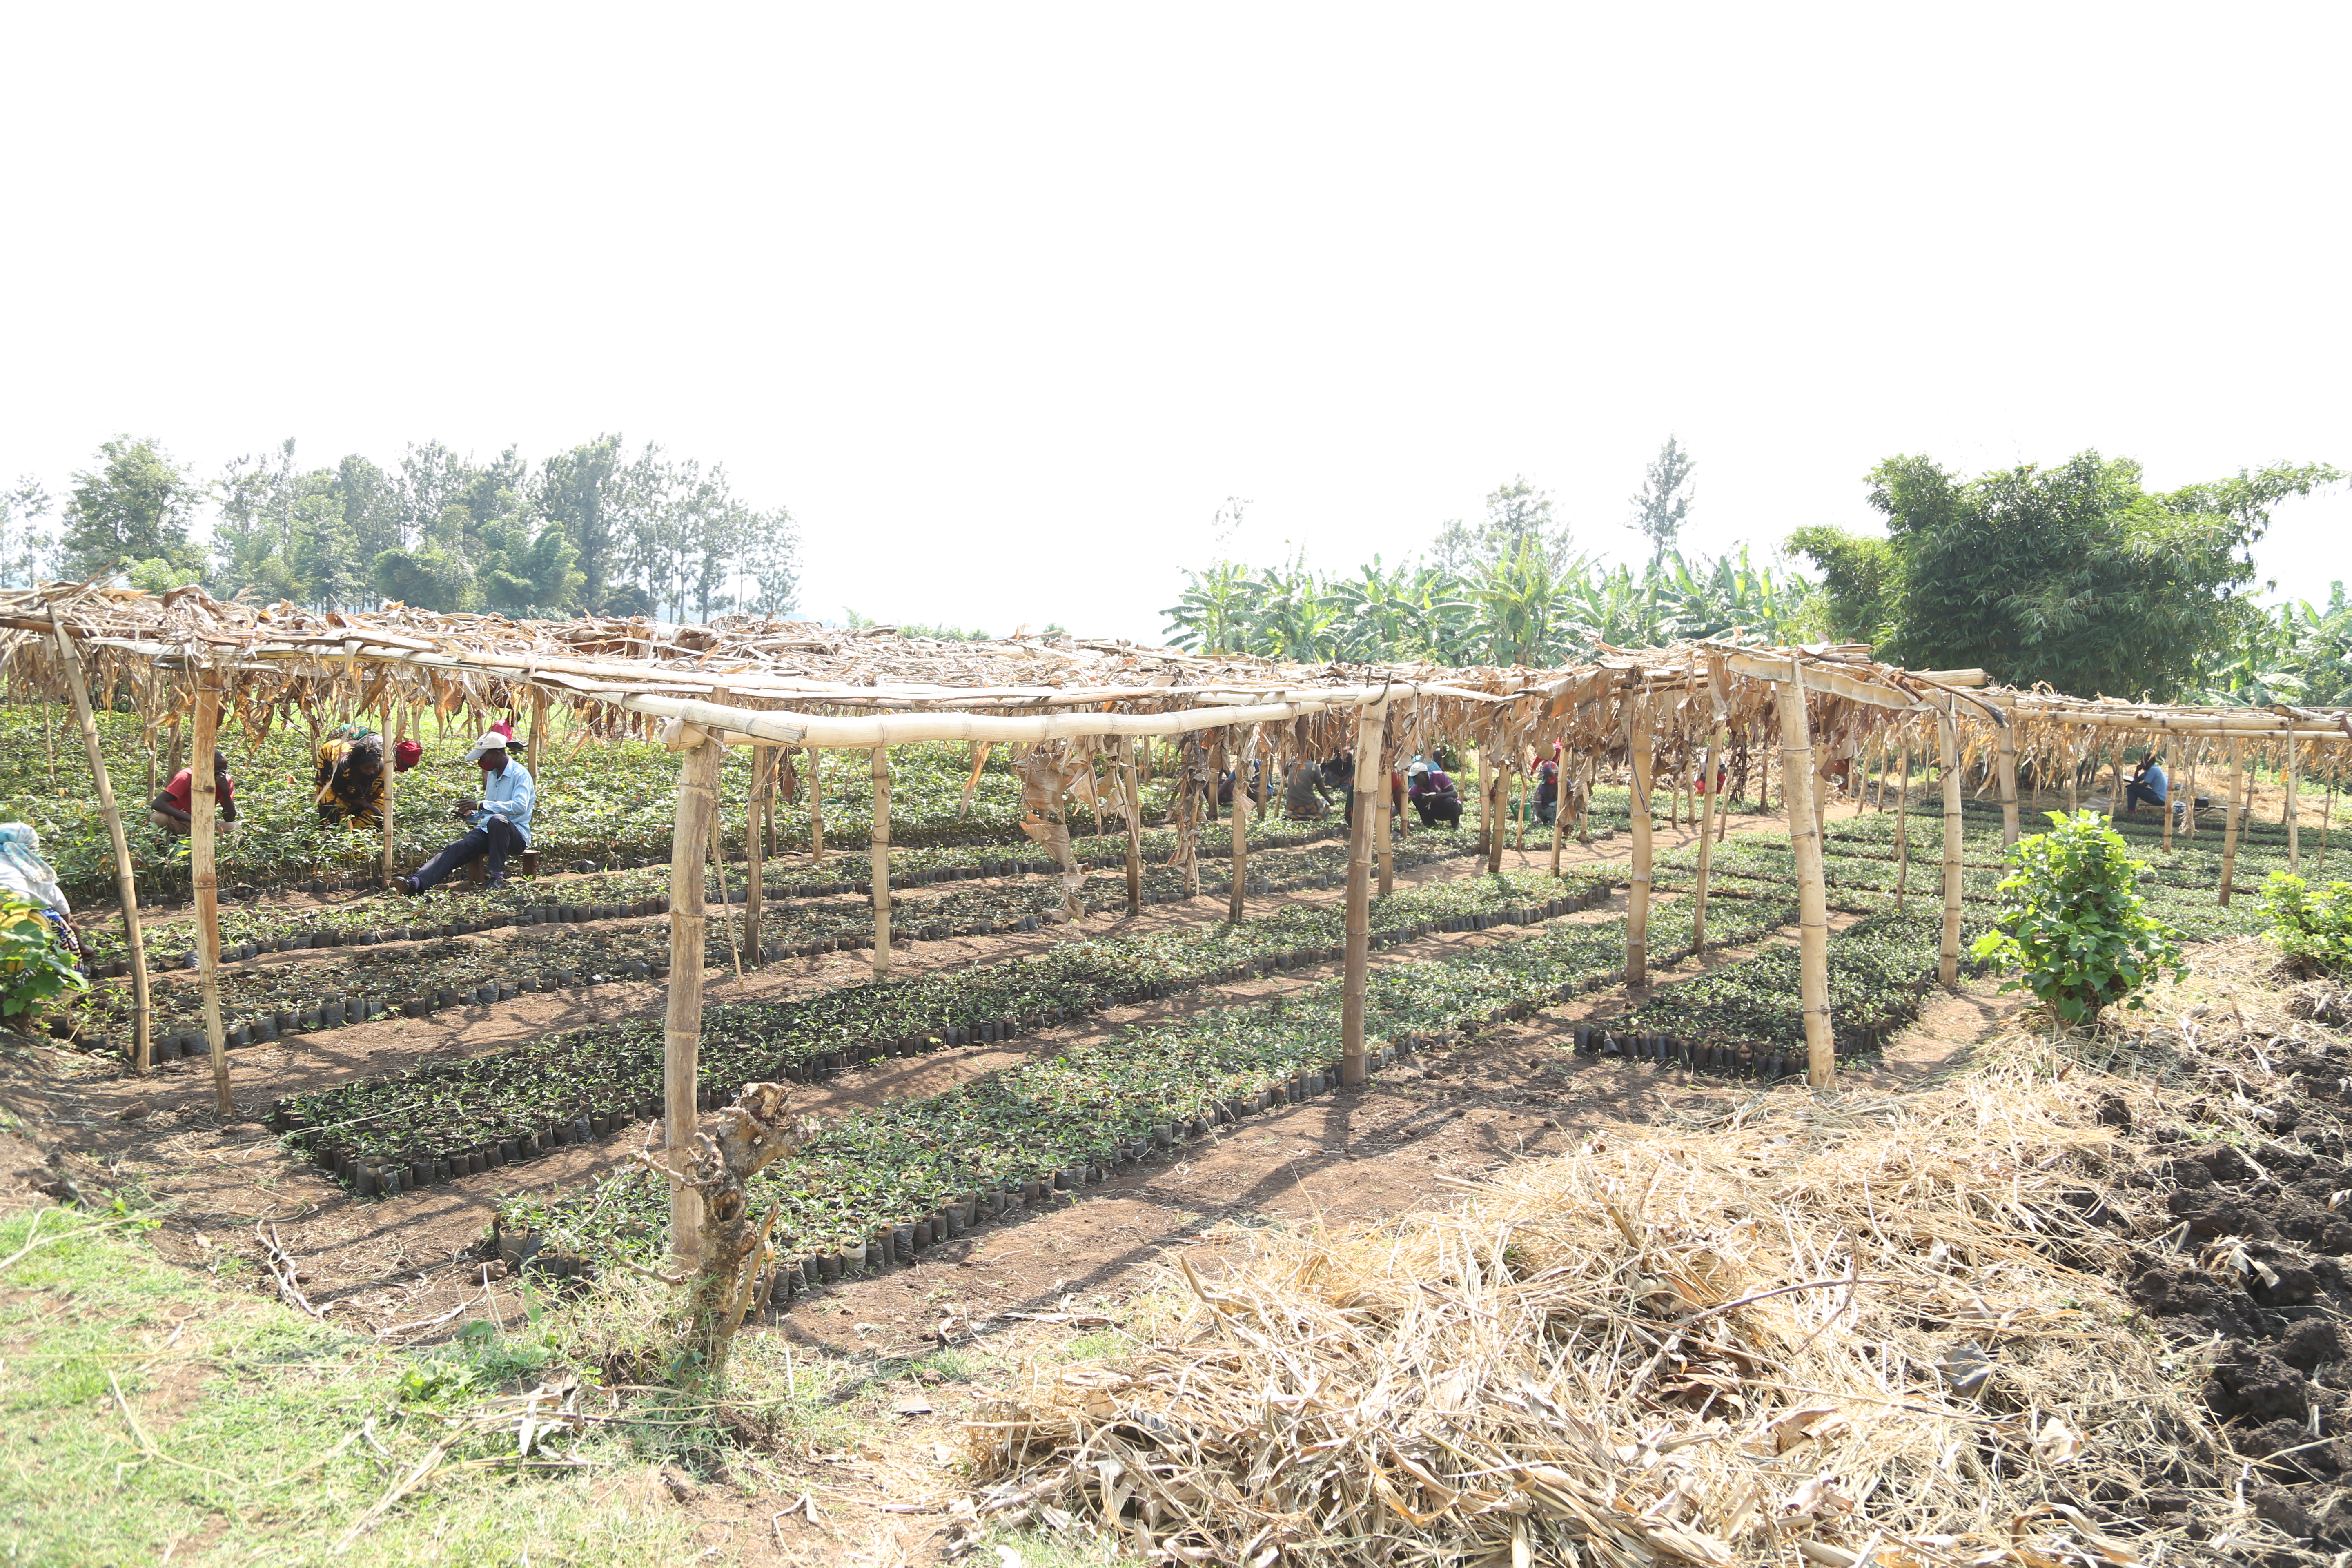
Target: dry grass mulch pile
(1870,1325)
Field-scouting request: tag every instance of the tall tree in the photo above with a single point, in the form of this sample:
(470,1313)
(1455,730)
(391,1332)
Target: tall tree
(1517,514)
(134,506)
(28,549)
(572,489)
(2076,574)
(370,503)
(1663,501)
(1860,575)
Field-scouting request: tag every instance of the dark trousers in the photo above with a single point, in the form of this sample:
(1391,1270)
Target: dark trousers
(2136,794)
(1436,809)
(496,838)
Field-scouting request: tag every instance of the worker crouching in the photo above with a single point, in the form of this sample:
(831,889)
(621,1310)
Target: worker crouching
(499,823)
(350,777)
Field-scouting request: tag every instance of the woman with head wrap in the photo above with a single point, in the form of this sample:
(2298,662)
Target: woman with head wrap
(28,876)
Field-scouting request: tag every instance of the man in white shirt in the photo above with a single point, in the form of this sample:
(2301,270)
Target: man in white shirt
(498,823)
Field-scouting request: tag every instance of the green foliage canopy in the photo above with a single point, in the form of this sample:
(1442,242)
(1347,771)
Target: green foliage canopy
(2077,574)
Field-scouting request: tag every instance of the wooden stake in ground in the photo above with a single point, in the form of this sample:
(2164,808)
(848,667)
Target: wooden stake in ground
(763,779)
(2294,815)
(538,729)
(2171,799)
(971,784)
(2230,815)
(881,756)
(1384,814)
(391,787)
(1716,740)
(2188,801)
(1559,808)
(1359,897)
(1131,800)
(1240,752)
(1637,912)
(1948,963)
(698,803)
(1486,806)
(1903,829)
(1492,808)
(2008,780)
(207,882)
(816,806)
(141,1052)
(1812,885)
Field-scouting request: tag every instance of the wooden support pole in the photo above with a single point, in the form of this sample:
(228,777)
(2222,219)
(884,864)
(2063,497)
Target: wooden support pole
(763,779)
(1240,752)
(1132,798)
(1902,830)
(817,804)
(207,881)
(2009,785)
(1360,898)
(1558,806)
(1707,811)
(2172,800)
(1493,807)
(1384,813)
(881,756)
(538,730)
(1637,914)
(1947,963)
(1812,885)
(391,782)
(698,803)
(2294,812)
(1485,812)
(2231,814)
(2196,768)
(126,890)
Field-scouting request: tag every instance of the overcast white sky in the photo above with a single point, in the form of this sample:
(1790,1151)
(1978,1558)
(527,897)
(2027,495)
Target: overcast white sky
(1002,301)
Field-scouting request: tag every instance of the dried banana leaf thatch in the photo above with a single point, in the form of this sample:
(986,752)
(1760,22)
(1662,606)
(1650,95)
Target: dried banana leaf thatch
(1809,1328)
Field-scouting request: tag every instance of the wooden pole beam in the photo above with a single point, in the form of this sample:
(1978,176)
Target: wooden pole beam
(1241,751)
(698,803)
(1131,799)
(1812,885)
(763,779)
(126,892)
(1352,1071)
(200,801)
(2230,816)
(1947,963)
(1637,914)
(2294,812)
(881,849)
(2008,763)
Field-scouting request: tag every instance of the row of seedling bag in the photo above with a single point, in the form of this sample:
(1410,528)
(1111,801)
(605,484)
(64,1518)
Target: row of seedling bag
(460,907)
(507,1105)
(276,999)
(872,1189)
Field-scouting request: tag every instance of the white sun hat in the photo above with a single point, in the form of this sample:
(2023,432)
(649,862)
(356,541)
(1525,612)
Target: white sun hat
(491,741)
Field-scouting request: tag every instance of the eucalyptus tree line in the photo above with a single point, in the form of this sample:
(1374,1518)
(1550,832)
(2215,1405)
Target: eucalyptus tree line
(590,529)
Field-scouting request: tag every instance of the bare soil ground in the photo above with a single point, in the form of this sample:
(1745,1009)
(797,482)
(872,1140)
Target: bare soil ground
(999,1295)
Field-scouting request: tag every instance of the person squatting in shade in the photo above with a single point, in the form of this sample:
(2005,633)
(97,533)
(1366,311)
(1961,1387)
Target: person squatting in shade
(170,808)
(1548,787)
(350,776)
(2149,783)
(499,823)
(1431,790)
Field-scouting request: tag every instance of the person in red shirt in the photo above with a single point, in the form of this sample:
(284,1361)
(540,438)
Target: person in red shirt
(169,810)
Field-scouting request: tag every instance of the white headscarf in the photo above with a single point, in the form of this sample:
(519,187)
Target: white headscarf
(22,869)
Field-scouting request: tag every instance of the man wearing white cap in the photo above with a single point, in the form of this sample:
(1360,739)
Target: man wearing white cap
(497,824)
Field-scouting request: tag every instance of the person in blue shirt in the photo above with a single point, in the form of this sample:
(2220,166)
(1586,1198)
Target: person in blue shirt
(2149,784)
(498,823)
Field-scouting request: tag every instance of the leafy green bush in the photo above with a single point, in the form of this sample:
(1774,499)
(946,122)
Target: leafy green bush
(33,967)
(2312,928)
(2073,921)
